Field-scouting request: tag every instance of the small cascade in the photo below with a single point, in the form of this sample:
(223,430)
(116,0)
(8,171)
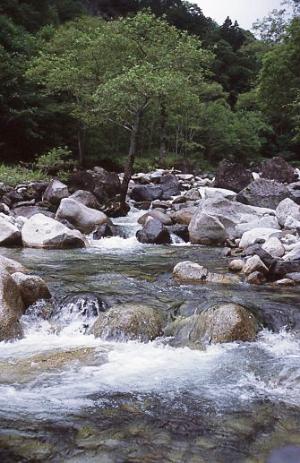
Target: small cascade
(176,240)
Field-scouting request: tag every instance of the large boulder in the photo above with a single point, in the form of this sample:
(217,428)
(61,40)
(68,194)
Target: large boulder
(278,169)
(31,287)
(232,176)
(288,213)
(222,323)
(263,193)
(9,234)
(170,186)
(192,273)
(153,232)
(184,216)
(44,232)
(55,192)
(81,217)
(149,193)
(11,308)
(218,219)
(103,184)
(129,322)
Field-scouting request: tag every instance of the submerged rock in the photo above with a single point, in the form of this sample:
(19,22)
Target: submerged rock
(219,324)
(129,322)
(193,273)
(44,232)
(11,266)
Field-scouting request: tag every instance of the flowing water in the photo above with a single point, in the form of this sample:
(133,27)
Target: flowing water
(68,397)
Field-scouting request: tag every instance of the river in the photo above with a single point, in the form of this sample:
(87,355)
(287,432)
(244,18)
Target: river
(68,397)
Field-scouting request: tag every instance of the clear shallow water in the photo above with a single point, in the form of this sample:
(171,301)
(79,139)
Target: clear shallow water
(66,396)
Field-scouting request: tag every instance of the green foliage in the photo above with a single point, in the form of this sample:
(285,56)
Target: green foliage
(15,175)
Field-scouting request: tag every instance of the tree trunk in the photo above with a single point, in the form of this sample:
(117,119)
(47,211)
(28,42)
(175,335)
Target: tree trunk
(163,133)
(80,140)
(131,157)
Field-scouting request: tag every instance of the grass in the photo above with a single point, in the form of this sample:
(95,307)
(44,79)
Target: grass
(13,175)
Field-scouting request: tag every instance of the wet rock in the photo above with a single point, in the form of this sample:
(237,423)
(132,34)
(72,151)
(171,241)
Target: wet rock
(232,176)
(146,193)
(104,231)
(179,230)
(9,234)
(278,169)
(256,278)
(287,210)
(254,264)
(222,323)
(86,198)
(263,193)
(236,265)
(170,186)
(44,232)
(129,322)
(260,235)
(158,215)
(31,287)
(11,308)
(55,192)
(193,273)
(81,217)
(153,232)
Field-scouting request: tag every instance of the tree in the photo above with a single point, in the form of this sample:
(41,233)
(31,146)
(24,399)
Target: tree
(279,84)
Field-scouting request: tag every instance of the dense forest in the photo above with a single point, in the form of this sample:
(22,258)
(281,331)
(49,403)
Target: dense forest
(90,80)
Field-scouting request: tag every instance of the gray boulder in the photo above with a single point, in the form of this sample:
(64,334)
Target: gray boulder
(263,193)
(44,232)
(232,176)
(9,234)
(258,235)
(31,287)
(287,210)
(278,169)
(219,324)
(103,184)
(11,308)
(218,219)
(81,217)
(142,193)
(129,322)
(170,186)
(55,192)
(153,232)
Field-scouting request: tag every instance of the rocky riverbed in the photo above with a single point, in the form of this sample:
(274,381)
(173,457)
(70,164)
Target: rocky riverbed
(170,333)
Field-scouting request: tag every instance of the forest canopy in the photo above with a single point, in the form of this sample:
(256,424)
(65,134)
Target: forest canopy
(154,79)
